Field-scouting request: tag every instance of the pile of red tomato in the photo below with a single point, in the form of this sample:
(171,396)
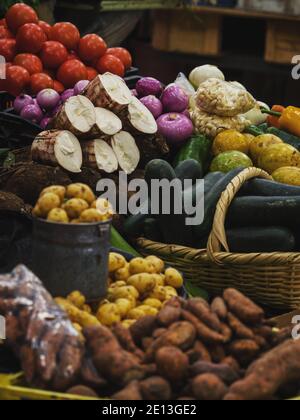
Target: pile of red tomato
(40,56)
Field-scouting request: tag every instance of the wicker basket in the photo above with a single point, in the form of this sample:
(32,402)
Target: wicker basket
(271,279)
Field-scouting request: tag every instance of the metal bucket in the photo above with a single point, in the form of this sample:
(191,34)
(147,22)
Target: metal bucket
(72,257)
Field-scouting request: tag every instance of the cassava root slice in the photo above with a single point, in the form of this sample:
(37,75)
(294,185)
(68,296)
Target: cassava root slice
(138,119)
(97,154)
(126,150)
(77,116)
(109,91)
(107,124)
(58,148)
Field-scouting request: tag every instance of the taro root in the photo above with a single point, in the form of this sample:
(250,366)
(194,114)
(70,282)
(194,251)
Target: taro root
(246,310)
(275,369)
(152,147)
(107,124)
(77,116)
(109,91)
(172,364)
(208,387)
(98,154)
(138,119)
(126,150)
(130,393)
(58,148)
(156,388)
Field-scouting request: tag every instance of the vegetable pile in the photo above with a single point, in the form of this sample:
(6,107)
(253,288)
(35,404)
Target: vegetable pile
(190,350)
(40,56)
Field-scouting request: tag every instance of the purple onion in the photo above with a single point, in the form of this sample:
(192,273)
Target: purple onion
(174,99)
(80,86)
(148,86)
(22,101)
(176,128)
(45,122)
(67,94)
(48,99)
(153,104)
(32,113)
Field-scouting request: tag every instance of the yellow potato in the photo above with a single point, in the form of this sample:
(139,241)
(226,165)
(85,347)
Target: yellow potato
(287,175)
(173,278)
(124,306)
(139,266)
(279,156)
(230,140)
(170,292)
(75,222)
(76,315)
(115,262)
(48,202)
(148,310)
(82,191)
(260,143)
(127,323)
(158,264)
(136,314)
(154,303)
(158,293)
(87,308)
(37,211)
(77,299)
(109,314)
(122,273)
(249,138)
(55,189)
(144,283)
(58,216)
(91,216)
(75,207)
(104,207)
(160,280)
(118,284)
(125,292)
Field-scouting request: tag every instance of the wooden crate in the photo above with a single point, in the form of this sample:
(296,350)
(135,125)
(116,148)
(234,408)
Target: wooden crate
(183,31)
(282,41)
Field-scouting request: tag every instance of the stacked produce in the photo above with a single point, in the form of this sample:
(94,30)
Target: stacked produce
(137,288)
(190,350)
(40,56)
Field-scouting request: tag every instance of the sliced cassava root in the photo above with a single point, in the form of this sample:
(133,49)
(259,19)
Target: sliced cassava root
(58,148)
(107,124)
(109,91)
(77,116)
(126,150)
(138,119)
(97,154)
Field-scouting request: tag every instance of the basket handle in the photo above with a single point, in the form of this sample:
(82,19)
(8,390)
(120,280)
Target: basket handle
(217,239)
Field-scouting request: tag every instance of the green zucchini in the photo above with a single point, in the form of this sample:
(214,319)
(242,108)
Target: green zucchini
(264,187)
(189,169)
(286,137)
(260,239)
(264,211)
(211,200)
(263,127)
(198,148)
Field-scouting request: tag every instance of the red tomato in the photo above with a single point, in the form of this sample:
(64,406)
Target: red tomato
(3,72)
(18,15)
(91,47)
(46,28)
(40,81)
(67,34)
(17,79)
(123,54)
(50,73)
(3,23)
(112,64)
(29,62)
(92,73)
(59,87)
(53,54)
(5,33)
(30,38)
(71,72)
(8,49)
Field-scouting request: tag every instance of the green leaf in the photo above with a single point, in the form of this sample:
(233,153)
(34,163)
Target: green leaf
(195,291)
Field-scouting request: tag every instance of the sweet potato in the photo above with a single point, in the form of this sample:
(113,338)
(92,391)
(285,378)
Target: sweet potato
(267,375)
(90,377)
(245,351)
(172,364)
(156,388)
(222,371)
(218,306)
(82,391)
(208,387)
(232,363)
(159,332)
(217,353)
(199,353)
(246,310)
(239,329)
(126,341)
(204,333)
(130,393)
(168,315)
(144,327)
(203,313)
